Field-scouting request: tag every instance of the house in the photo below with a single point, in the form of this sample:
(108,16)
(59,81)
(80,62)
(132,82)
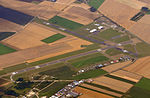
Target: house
(100,27)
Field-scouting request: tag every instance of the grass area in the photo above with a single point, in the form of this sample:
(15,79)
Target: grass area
(53,38)
(120,79)
(143,49)
(144,83)
(129,47)
(108,34)
(88,60)
(122,39)
(113,52)
(4,49)
(59,73)
(65,23)
(137,92)
(103,87)
(90,74)
(2,81)
(53,89)
(23,65)
(4,35)
(97,91)
(96,3)
(42,85)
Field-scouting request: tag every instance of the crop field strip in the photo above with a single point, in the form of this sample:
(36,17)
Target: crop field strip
(121,79)
(96,3)
(4,49)
(53,38)
(14,16)
(65,23)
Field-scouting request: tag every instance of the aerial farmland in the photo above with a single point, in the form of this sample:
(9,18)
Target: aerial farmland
(74,49)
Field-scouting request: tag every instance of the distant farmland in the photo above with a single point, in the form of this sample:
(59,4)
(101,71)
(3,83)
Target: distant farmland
(14,16)
(96,3)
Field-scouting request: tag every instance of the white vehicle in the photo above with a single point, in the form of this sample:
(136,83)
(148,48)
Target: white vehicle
(119,44)
(97,24)
(87,29)
(100,27)
(125,51)
(93,30)
(99,50)
(14,73)
(37,67)
(62,29)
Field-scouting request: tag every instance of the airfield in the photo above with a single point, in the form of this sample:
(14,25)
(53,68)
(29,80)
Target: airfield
(63,48)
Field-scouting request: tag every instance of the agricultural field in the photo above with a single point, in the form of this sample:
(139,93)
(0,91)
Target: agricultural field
(112,83)
(5,49)
(4,35)
(79,15)
(14,16)
(114,9)
(141,66)
(53,38)
(96,3)
(116,66)
(65,23)
(89,93)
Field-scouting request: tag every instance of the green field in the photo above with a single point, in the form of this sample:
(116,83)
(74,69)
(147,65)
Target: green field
(65,23)
(59,73)
(90,74)
(88,60)
(108,34)
(54,88)
(53,38)
(113,52)
(96,3)
(129,47)
(4,49)
(143,49)
(122,39)
(136,92)
(144,83)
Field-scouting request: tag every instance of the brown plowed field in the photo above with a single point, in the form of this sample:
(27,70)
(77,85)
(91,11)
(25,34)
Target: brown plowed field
(7,26)
(142,28)
(112,83)
(78,14)
(141,66)
(90,94)
(127,75)
(116,66)
(102,90)
(119,12)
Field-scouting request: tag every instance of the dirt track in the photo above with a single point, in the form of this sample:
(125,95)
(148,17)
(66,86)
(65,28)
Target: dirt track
(141,67)
(90,94)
